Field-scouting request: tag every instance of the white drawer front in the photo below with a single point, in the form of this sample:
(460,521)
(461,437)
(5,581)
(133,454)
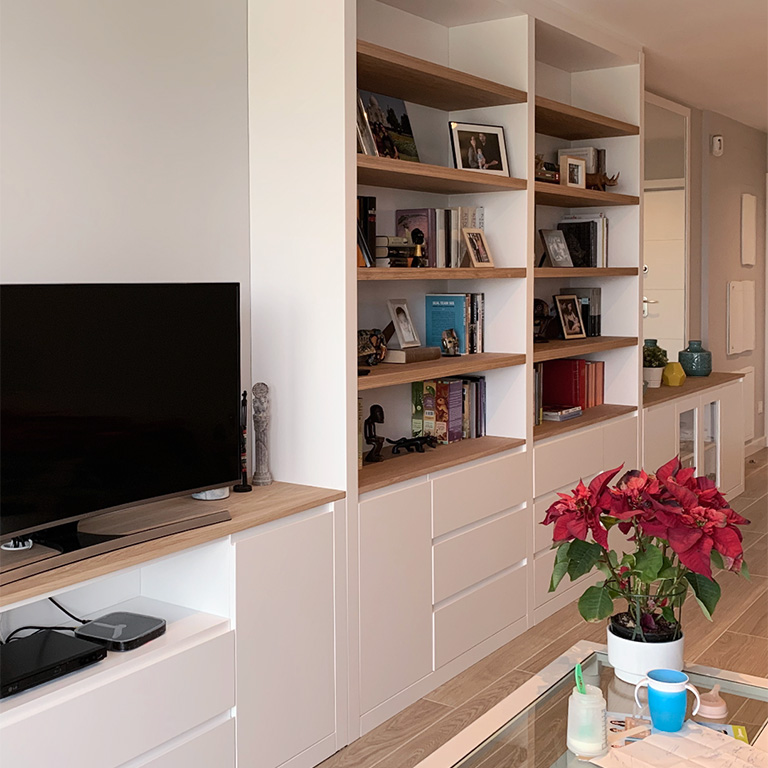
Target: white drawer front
(469,495)
(542,534)
(563,461)
(129,714)
(215,747)
(470,557)
(478,615)
(620,445)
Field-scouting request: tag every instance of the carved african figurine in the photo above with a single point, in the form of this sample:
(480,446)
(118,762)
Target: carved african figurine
(369,432)
(600,181)
(261,473)
(412,444)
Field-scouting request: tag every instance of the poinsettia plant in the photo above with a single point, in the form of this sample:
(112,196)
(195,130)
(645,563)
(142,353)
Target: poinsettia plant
(677,527)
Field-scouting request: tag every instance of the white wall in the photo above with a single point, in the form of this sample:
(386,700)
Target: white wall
(124,143)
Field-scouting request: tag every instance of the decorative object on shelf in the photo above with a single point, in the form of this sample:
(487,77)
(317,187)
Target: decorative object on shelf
(403,325)
(696,360)
(479,148)
(555,248)
(477,247)
(573,172)
(419,259)
(600,181)
(654,361)
(543,322)
(548,172)
(412,444)
(391,128)
(588,154)
(450,343)
(678,527)
(418,224)
(371,347)
(261,415)
(243,486)
(570,317)
(366,144)
(376,416)
(673,375)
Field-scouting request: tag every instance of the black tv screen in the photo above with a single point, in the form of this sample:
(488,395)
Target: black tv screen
(114,394)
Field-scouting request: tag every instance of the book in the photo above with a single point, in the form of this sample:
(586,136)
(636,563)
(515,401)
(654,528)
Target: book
(409,220)
(448,410)
(392,241)
(601,220)
(560,412)
(588,154)
(444,311)
(362,245)
(469,218)
(417,408)
(428,403)
(412,355)
(366,213)
(565,383)
(581,239)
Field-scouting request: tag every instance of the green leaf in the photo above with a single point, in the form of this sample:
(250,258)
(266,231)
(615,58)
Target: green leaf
(628,561)
(717,559)
(614,558)
(605,570)
(668,614)
(558,572)
(583,557)
(745,570)
(596,604)
(667,573)
(706,590)
(648,564)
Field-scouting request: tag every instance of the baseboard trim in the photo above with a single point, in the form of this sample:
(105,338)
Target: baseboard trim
(753,446)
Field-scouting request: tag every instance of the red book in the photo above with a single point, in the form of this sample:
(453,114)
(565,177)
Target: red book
(565,382)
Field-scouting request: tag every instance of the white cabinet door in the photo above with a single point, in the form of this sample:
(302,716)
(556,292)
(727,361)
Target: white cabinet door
(659,436)
(395,593)
(285,640)
(732,438)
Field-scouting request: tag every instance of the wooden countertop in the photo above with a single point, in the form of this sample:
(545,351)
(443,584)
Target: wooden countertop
(690,386)
(248,510)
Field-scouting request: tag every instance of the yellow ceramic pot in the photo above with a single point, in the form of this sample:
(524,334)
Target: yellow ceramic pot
(673,375)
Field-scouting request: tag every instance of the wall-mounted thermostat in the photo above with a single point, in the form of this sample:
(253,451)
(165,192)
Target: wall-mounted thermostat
(717,145)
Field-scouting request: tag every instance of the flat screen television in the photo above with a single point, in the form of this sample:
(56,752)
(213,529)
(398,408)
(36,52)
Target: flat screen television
(111,395)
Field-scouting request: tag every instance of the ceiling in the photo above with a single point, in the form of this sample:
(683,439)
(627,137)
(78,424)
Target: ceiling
(708,54)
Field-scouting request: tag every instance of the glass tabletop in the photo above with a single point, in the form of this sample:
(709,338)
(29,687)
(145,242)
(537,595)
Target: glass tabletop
(535,738)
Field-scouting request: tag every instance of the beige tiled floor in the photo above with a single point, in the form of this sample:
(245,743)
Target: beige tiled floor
(736,639)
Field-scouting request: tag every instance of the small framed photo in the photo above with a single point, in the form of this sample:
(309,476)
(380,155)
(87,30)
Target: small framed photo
(477,247)
(570,317)
(401,319)
(479,148)
(556,247)
(365,141)
(573,171)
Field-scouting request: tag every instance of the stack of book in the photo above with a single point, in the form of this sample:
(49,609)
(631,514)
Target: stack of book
(451,409)
(569,383)
(444,244)
(586,235)
(560,412)
(463,312)
(366,230)
(398,251)
(590,305)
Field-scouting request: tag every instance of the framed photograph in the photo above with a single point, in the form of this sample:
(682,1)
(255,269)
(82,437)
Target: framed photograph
(570,317)
(365,142)
(389,123)
(479,148)
(477,247)
(556,247)
(573,172)
(401,319)
(588,154)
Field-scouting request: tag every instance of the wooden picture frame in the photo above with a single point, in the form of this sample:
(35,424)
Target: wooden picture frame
(401,319)
(477,247)
(569,311)
(556,247)
(573,172)
(479,148)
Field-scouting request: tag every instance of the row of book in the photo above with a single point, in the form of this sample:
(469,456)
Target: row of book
(586,235)
(464,313)
(441,228)
(450,409)
(366,230)
(563,389)
(590,304)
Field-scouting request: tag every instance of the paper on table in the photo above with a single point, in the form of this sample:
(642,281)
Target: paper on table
(693,747)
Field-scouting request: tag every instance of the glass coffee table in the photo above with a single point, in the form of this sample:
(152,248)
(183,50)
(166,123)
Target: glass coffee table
(528,728)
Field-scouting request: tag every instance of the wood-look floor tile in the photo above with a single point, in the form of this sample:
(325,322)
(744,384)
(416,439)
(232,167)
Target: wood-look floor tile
(754,620)
(387,737)
(429,740)
(594,632)
(738,653)
(756,483)
(743,502)
(480,675)
(751,712)
(756,555)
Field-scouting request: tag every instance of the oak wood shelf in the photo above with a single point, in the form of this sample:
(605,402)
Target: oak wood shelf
(430,273)
(584,271)
(422,177)
(553,118)
(558,348)
(589,417)
(691,386)
(406,466)
(383,70)
(391,374)
(573,197)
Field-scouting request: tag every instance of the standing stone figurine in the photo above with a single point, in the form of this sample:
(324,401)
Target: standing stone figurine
(261,473)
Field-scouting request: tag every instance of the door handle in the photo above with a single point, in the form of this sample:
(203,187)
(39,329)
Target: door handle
(646,302)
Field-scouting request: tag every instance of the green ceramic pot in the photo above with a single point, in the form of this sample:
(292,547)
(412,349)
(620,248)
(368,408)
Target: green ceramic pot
(696,360)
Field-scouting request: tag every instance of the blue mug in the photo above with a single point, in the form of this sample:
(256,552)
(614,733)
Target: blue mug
(667,698)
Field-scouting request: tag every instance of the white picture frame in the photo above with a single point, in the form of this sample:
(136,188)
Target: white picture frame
(479,148)
(573,172)
(406,332)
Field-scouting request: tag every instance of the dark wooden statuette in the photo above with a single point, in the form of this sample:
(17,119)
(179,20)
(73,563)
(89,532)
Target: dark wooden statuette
(371,438)
(412,444)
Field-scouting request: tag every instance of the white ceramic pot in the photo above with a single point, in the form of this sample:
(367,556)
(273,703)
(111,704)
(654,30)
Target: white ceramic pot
(633,659)
(653,376)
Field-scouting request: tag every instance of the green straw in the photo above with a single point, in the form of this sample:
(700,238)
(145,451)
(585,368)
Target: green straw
(580,680)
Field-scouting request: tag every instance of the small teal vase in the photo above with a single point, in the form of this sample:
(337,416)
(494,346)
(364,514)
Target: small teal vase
(696,360)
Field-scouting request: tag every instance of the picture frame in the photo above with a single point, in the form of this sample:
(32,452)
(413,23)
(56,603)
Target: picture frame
(573,172)
(401,319)
(390,126)
(556,247)
(477,247)
(365,142)
(479,148)
(569,311)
